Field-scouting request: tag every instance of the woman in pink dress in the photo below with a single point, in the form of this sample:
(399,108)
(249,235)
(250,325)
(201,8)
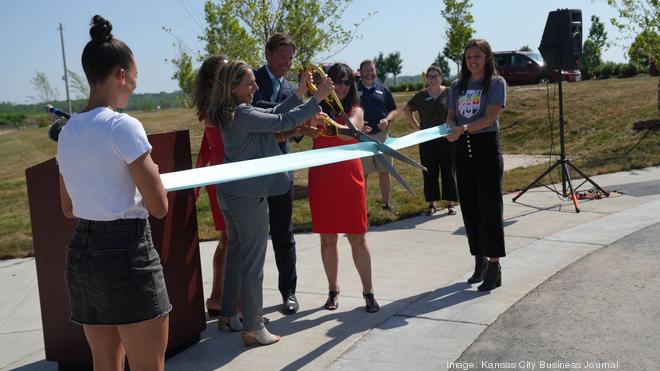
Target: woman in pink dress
(211,152)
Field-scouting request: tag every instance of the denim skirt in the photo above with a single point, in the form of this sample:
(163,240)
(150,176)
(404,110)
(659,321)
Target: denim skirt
(113,273)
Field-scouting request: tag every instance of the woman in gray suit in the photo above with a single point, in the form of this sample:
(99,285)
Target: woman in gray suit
(249,133)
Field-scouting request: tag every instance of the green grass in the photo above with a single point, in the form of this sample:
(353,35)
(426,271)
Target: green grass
(600,138)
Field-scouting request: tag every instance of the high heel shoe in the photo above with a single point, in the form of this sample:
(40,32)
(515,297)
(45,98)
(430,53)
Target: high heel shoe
(493,278)
(332,303)
(372,305)
(212,308)
(232,323)
(261,336)
(480,269)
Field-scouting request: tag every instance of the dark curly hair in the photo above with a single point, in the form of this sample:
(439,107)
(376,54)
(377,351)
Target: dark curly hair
(203,86)
(104,52)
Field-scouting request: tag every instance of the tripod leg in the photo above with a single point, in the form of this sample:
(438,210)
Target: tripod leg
(570,186)
(535,181)
(607,194)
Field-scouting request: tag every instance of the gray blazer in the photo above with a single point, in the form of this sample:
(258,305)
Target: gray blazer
(251,135)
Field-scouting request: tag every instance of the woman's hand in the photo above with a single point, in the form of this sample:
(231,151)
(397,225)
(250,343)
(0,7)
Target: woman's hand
(366,128)
(325,88)
(317,120)
(303,85)
(310,131)
(456,133)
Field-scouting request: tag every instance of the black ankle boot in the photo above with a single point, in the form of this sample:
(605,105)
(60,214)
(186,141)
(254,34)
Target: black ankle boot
(480,268)
(493,278)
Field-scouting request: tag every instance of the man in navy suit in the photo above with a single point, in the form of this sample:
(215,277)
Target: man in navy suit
(274,88)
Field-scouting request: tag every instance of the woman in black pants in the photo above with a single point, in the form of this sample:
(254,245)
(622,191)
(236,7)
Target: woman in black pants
(475,101)
(435,155)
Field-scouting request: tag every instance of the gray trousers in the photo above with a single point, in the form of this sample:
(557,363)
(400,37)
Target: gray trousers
(247,232)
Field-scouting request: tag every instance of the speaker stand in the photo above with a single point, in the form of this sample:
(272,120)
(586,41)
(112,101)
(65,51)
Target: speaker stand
(563,163)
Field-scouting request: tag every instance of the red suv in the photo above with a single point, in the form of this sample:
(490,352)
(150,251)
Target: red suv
(518,68)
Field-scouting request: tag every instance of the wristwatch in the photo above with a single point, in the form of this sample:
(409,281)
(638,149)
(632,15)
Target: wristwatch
(465,129)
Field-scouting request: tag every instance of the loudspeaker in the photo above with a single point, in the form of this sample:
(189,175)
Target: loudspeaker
(561,45)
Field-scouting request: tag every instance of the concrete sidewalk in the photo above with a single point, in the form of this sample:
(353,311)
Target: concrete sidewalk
(429,314)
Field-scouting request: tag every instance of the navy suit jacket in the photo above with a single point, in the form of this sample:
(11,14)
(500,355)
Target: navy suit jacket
(262,98)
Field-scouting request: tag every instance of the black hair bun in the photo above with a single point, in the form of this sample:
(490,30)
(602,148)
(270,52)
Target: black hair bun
(101,29)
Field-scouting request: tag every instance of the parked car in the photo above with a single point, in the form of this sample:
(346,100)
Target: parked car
(518,68)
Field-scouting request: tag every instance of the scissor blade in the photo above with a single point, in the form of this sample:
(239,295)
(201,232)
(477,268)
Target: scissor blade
(362,137)
(383,163)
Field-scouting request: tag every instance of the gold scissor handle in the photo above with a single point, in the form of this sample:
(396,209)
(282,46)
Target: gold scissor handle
(332,100)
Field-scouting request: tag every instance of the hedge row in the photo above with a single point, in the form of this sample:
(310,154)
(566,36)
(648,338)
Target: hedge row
(412,86)
(611,69)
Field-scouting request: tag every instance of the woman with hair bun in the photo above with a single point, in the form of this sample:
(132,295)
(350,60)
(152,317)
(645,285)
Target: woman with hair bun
(109,181)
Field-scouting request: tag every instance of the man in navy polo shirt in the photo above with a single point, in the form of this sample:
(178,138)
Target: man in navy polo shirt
(379,111)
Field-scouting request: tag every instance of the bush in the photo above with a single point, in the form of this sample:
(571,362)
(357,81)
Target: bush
(12,119)
(629,70)
(407,86)
(606,70)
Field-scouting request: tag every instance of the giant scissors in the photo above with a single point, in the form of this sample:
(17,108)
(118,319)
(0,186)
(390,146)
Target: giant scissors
(337,108)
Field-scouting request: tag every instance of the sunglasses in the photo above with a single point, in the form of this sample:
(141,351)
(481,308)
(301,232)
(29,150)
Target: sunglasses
(432,77)
(343,82)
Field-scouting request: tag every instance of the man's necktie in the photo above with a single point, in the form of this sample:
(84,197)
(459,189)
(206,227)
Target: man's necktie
(276,89)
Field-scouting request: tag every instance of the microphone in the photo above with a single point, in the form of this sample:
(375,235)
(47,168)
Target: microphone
(57,112)
(57,125)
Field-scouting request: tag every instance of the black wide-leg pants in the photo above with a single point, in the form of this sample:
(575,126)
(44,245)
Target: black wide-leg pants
(436,155)
(479,168)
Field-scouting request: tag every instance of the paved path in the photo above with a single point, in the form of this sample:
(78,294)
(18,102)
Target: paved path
(601,311)
(429,316)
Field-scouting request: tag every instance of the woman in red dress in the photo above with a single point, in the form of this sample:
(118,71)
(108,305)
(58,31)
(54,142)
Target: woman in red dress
(211,152)
(337,197)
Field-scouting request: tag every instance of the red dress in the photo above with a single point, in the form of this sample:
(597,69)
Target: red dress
(337,195)
(212,152)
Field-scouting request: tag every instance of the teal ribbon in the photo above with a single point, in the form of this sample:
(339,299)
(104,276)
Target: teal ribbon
(200,177)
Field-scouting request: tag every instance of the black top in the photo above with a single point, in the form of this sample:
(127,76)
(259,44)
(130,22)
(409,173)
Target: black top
(432,112)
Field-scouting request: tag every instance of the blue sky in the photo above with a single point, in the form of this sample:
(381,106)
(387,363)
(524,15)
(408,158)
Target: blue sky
(30,40)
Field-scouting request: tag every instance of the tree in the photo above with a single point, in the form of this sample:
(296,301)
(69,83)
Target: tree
(597,33)
(636,52)
(592,48)
(441,61)
(381,67)
(459,28)
(240,28)
(590,59)
(394,63)
(224,34)
(637,17)
(46,92)
(184,74)
(79,85)
(525,48)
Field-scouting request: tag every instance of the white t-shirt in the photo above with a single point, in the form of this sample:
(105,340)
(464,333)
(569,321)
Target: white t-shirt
(93,153)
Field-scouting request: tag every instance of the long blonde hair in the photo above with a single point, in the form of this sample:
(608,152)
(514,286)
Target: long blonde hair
(223,103)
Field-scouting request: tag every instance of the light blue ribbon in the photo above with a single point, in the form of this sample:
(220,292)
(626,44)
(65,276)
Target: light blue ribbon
(292,161)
